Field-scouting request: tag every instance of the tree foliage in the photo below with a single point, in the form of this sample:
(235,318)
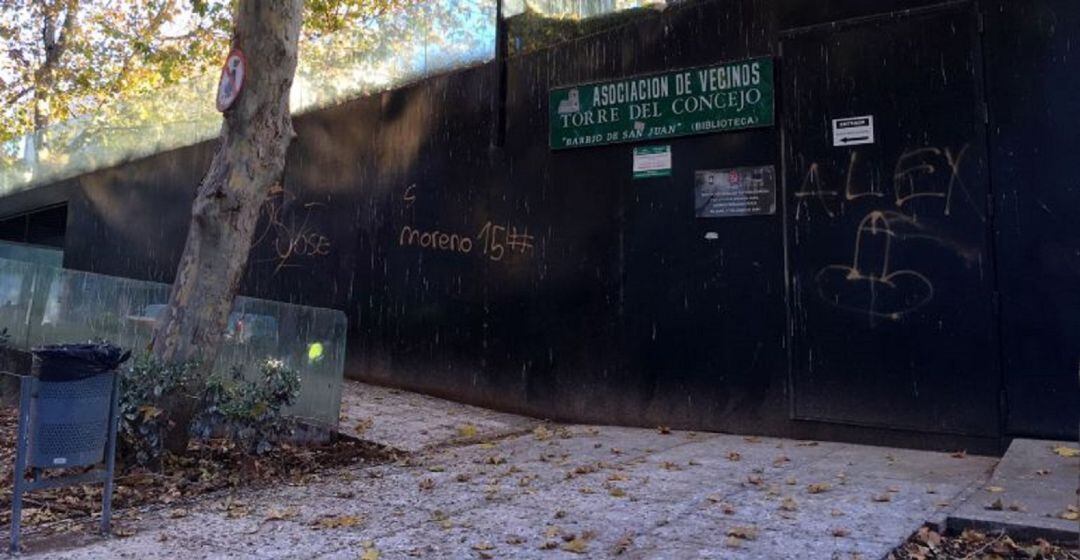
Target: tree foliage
(66,59)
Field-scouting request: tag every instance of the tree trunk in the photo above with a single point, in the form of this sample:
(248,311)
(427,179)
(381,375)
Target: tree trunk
(249,160)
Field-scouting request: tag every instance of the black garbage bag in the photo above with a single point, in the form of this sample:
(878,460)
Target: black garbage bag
(72,362)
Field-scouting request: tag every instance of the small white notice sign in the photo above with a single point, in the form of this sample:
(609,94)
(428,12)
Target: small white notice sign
(853,131)
(652,161)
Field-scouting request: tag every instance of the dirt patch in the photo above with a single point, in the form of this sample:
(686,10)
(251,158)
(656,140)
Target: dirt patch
(207,467)
(928,544)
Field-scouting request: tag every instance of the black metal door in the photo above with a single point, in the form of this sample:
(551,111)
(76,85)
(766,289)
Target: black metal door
(892,288)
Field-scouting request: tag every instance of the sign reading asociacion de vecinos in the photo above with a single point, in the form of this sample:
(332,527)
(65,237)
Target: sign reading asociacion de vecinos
(729,96)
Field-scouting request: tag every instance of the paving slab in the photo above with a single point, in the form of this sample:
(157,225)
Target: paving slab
(1030,493)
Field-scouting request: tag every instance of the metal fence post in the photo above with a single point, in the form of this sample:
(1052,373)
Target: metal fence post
(25,386)
(110,456)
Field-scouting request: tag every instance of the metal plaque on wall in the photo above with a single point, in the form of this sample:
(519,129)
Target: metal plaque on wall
(740,191)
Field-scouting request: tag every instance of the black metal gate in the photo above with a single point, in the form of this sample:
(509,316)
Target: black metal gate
(888,232)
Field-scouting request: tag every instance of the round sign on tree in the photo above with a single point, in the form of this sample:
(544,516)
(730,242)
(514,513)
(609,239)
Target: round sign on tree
(232,80)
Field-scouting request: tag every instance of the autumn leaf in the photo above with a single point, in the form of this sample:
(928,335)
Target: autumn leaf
(363,426)
(734,456)
(336,522)
(541,433)
(996,505)
(426,484)
(789,504)
(578,545)
(483,546)
(1066,451)
(623,544)
(752,439)
(663,430)
(839,531)
(818,488)
(928,537)
(959,454)
(370,552)
(886,497)
(467,431)
(1072,513)
(745,532)
(123,532)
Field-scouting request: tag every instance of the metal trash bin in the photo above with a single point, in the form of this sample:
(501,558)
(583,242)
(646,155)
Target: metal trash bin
(67,418)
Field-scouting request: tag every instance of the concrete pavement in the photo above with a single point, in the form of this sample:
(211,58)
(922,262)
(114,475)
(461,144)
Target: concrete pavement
(524,489)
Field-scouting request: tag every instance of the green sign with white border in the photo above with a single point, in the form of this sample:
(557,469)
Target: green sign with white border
(717,98)
(652,161)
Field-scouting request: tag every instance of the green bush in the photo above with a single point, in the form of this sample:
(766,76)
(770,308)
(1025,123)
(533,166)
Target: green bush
(246,412)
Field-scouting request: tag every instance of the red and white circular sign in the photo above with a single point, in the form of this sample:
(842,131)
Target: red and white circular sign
(232,80)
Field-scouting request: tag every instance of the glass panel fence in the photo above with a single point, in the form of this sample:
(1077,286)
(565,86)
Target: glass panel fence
(41,304)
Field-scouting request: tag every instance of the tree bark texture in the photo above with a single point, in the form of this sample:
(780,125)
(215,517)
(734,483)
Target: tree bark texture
(249,160)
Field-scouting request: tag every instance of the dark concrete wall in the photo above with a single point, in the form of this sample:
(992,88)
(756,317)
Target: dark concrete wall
(620,311)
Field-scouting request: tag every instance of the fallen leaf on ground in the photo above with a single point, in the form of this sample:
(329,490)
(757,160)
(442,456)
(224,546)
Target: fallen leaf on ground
(734,456)
(752,439)
(886,497)
(733,542)
(745,532)
(363,426)
(123,532)
(1072,513)
(996,505)
(280,514)
(818,487)
(663,430)
(623,544)
(426,484)
(483,546)
(336,522)
(1042,472)
(807,444)
(578,545)
(789,504)
(780,460)
(541,433)
(1066,451)
(840,531)
(959,454)
(370,553)
(995,489)
(467,431)
(928,536)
